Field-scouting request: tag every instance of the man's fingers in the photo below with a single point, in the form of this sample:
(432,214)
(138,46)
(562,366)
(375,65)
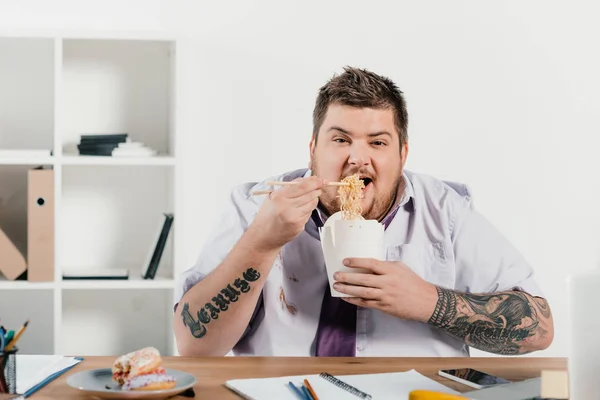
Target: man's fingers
(367,293)
(357,301)
(359,279)
(308,208)
(307,198)
(303,213)
(371,264)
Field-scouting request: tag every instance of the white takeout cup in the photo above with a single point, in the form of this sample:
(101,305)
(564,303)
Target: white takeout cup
(341,239)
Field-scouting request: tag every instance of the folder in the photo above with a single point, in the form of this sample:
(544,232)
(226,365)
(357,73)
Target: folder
(36,371)
(12,262)
(40,225)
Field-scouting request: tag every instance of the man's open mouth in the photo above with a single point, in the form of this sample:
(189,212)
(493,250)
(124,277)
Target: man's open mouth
(367,181)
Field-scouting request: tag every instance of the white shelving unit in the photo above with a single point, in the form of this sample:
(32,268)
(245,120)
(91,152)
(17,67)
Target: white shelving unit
(55,87)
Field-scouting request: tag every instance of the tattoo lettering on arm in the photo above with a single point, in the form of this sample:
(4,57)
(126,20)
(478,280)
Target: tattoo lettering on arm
(503,323)
(196,328)
(229,294)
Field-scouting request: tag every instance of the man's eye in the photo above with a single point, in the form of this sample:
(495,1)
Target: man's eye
(339,140)
(379,143)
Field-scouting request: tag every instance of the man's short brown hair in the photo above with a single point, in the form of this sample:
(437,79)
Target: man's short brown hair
(361,88)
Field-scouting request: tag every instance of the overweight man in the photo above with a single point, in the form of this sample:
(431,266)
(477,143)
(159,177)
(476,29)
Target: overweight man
(450,280)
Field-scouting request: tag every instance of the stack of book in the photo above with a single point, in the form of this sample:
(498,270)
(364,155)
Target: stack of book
(100,145)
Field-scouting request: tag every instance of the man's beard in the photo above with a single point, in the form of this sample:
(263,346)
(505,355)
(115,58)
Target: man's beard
(377,209)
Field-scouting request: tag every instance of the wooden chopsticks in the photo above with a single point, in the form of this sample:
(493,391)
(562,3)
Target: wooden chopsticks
(281,183)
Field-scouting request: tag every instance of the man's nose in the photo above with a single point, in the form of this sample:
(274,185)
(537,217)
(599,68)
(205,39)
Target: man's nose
(358,158)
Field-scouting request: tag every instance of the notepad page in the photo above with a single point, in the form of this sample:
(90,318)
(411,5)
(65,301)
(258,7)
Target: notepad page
(33,369)
(394,385)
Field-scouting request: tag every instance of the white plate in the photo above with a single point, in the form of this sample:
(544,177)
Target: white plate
(99,383)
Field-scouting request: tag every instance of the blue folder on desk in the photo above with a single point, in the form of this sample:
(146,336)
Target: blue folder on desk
(36,371)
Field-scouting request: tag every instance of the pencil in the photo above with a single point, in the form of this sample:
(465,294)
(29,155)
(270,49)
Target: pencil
(17,336)
(311,390)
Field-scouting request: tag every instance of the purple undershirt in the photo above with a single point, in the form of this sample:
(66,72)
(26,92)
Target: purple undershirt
(336,333)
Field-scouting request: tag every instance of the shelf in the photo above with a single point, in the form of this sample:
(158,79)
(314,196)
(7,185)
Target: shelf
(27,160)
(28,33)
(122,211)
(97,323)
(25,285)
(89,160)
(107,211)
(106,160)
(27,94)
(117,86)
(131,283)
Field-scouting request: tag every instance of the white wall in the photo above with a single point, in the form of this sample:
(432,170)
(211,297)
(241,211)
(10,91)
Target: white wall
(501,95)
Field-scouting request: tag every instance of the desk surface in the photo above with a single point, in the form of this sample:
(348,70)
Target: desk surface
(212,372)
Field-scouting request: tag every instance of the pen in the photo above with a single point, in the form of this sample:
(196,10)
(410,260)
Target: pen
(311,390)
(17,336)
(297,391)
(306,393)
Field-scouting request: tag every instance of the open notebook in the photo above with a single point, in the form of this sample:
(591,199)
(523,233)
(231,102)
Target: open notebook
(395,385)
(35,371)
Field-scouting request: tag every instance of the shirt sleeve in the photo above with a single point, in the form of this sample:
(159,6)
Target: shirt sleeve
(486,261)
(231,225)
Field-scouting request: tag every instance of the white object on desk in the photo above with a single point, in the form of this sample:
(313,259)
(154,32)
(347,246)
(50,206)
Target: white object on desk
(395,385)
(34,369)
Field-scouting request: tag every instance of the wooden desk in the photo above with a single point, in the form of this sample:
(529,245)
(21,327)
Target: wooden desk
(213,372)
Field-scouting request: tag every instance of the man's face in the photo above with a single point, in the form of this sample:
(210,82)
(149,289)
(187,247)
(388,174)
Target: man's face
(364,141)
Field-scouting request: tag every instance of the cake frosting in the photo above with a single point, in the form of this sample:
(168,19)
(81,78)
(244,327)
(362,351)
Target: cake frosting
(150,382)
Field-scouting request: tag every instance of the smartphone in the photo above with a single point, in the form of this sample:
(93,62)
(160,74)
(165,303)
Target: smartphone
(472,377)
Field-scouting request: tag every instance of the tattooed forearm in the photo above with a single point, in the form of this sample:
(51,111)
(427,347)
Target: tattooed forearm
(502,323)
(220,303)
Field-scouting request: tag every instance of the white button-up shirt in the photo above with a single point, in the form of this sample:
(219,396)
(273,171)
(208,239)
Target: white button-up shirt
(436,232)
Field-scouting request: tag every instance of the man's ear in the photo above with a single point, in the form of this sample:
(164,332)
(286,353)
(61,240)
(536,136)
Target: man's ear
(404,154)
(311,149)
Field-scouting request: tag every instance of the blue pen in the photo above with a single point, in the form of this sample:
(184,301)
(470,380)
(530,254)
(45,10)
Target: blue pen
(297,391)
(307,393)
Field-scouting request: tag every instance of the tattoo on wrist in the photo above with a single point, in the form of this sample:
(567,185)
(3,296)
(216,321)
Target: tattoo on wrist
(498,323)
(220,303)
(445,309)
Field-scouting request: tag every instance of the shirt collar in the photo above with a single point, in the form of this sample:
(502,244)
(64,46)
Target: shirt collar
(405,198)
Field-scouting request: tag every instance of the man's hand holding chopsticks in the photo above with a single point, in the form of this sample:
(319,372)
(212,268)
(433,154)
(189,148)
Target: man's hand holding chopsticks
(284,213)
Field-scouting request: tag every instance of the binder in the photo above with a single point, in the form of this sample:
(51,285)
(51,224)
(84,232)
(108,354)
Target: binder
(40,225)
(12,262)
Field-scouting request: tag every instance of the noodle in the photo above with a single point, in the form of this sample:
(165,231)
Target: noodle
(350,197)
